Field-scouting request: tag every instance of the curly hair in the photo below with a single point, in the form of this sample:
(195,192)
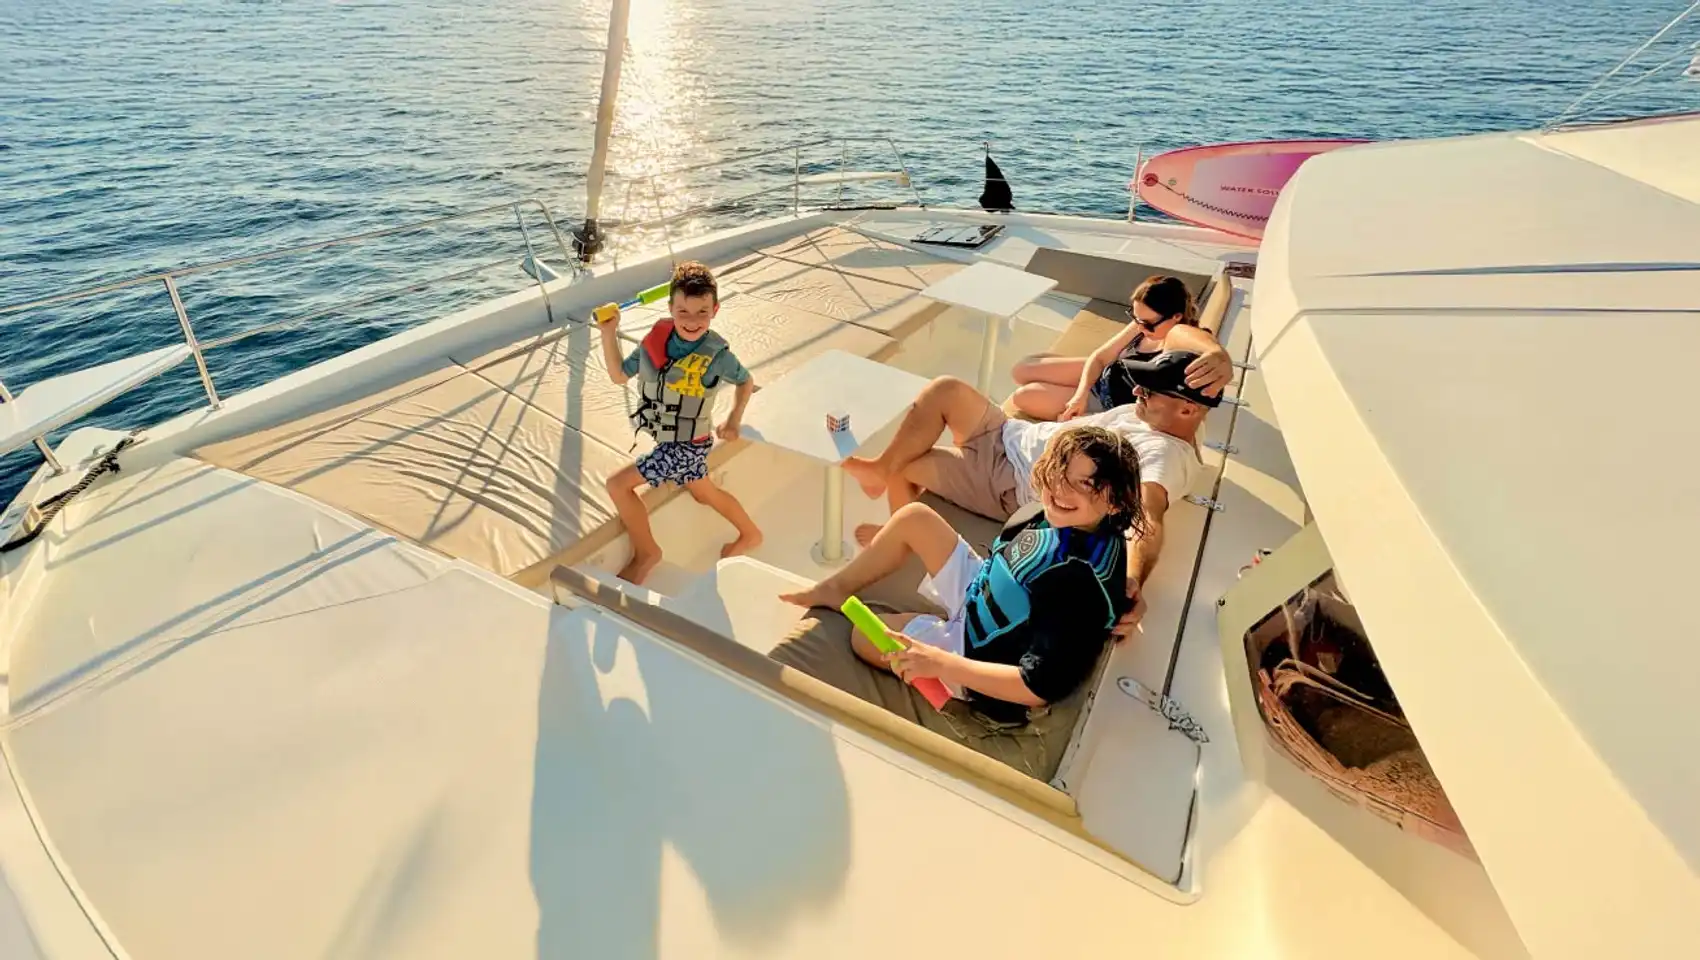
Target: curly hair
(1169,297)
(694,279)
(1115,471)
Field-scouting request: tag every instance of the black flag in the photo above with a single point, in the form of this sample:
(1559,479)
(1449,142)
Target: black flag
(997,195)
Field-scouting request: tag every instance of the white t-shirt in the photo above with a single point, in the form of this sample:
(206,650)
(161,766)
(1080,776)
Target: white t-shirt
(1163,459)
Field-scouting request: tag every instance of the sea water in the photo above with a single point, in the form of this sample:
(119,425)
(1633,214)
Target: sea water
(138,135)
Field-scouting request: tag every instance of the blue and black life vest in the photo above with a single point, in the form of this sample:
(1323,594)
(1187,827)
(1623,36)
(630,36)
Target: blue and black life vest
(999,604)
(676,397)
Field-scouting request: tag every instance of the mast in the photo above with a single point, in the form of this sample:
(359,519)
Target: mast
(588,240)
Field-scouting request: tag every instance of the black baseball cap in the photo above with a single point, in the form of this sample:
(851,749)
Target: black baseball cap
(1166,374)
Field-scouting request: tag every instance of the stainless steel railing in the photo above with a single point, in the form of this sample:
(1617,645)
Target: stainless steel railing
(645,189)
(198,348)
(648,183)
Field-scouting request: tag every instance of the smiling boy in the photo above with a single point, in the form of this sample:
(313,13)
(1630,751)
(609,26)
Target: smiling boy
(679,366)
(1026,625)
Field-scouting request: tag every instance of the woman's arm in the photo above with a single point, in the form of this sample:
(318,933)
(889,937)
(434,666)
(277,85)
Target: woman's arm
(1101,357)
(1213,369)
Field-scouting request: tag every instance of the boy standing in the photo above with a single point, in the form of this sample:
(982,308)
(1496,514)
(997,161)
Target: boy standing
(679,366)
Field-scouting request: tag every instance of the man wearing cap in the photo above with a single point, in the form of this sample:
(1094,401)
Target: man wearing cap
(989,470)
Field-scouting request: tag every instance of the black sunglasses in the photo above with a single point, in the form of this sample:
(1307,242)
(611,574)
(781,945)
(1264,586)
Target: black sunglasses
(1147,327)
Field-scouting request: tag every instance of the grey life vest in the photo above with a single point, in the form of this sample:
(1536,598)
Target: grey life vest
(675,401)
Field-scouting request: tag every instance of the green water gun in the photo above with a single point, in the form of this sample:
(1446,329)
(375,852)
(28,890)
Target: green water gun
(874,629)
(609,311)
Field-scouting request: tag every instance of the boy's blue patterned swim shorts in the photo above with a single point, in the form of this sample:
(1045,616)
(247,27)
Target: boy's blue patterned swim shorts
(676,461)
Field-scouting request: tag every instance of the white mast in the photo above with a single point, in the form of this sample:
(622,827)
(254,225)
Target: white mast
(589,238)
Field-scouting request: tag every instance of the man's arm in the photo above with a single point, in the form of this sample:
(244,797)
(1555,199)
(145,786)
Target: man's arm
(1143,548)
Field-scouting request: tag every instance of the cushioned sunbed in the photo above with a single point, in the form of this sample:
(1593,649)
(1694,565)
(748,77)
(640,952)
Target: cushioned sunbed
(820,647)
(500,456)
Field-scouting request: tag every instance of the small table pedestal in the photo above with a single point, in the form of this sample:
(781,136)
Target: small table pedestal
(829,550)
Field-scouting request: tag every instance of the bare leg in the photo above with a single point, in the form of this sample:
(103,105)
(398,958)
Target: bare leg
(646,553)
(916,529)
(865,649)
(865,533)
(946,402)
(1049,368)
(1042,401)
(705,492)
(901,489)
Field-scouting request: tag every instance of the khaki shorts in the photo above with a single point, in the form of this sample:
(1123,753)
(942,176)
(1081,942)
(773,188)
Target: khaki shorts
(976,475)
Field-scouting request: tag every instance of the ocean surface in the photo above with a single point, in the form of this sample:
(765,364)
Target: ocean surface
(140,135)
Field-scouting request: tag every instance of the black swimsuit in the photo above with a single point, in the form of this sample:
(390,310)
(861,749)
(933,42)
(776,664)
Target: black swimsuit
(1113,388)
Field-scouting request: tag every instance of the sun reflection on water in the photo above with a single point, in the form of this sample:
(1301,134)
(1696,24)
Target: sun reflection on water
(656,129)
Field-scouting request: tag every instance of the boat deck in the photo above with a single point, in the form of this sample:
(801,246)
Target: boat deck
(498,456)
(314,628)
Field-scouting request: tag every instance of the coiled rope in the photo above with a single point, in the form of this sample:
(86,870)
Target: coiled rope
(108,463)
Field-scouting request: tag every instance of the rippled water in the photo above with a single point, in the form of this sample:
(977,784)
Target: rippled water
(137,135)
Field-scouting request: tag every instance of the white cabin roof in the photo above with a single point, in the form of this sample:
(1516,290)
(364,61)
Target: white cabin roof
(1481,352)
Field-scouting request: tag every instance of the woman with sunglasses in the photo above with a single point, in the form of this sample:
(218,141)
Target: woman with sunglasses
(1062,388)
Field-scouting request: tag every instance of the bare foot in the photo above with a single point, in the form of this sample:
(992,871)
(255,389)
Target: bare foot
(640,567)
(742,545)
(822,594)
(865,533)
(867,475)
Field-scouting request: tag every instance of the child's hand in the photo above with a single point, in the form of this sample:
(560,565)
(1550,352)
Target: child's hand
(917,660)
(728,431)
(606,316)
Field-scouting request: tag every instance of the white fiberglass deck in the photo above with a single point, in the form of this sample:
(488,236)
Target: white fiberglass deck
(253,724)
(343,745)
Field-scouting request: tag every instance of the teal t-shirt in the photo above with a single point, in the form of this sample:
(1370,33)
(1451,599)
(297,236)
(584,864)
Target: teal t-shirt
(725,365)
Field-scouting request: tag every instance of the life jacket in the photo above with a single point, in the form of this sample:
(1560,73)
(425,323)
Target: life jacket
(999,601)
(675,402)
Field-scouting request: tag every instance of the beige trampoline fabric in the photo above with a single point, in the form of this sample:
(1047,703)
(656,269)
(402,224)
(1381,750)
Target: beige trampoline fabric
(500,459)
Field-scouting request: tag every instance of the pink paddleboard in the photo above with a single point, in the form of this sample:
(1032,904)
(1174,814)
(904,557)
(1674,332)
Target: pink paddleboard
(1229,187)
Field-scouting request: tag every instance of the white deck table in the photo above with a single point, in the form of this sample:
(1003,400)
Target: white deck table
(791,414)
(995,290)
